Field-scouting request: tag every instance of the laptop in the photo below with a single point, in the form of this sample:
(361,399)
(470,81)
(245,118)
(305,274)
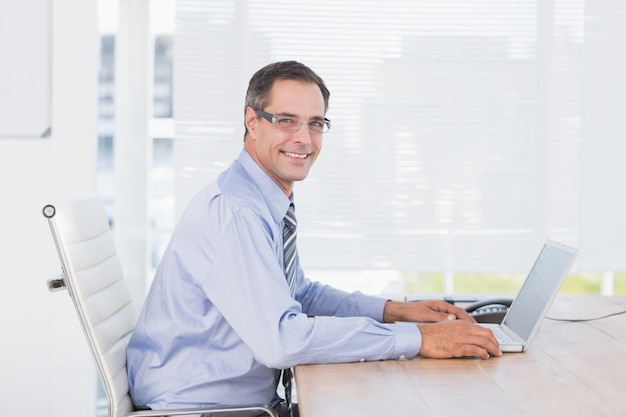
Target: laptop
(534,298)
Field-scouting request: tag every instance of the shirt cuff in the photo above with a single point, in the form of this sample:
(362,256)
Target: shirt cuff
(408,340)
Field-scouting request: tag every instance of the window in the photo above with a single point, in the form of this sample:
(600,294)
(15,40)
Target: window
(459,133)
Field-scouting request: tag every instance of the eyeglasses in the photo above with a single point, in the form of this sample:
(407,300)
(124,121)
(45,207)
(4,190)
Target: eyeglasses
(291,124)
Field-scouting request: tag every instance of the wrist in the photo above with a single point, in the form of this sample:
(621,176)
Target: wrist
(393,311)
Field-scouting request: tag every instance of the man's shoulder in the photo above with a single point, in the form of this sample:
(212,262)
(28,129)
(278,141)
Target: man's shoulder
(235,194)
(225,199)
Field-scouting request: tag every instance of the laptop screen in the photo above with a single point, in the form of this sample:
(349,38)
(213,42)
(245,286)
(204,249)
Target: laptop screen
(541,285)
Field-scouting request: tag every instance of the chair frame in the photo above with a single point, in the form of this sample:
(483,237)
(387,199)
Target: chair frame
(70,279)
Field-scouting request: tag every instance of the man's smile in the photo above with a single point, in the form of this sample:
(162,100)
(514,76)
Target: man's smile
(295,155)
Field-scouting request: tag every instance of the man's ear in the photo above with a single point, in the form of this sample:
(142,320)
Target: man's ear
(251,120)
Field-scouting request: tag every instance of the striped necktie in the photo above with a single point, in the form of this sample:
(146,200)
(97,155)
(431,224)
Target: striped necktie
(289,248)
(289,260)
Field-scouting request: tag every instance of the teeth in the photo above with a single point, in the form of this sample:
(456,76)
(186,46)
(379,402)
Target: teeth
(295,155)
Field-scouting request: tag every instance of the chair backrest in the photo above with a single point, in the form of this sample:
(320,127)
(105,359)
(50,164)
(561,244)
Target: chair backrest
(92,273)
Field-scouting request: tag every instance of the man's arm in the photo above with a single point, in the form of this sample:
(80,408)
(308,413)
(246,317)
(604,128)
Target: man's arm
(323,300)
(247,285)
(455,335)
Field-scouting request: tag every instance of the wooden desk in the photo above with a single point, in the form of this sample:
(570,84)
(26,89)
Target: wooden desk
(570,369)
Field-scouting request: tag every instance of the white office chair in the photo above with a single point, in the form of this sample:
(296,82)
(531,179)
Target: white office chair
(92,274)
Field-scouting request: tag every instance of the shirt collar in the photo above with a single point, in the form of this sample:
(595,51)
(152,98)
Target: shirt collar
(274,196)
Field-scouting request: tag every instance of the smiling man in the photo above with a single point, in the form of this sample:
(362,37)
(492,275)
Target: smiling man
(230,306)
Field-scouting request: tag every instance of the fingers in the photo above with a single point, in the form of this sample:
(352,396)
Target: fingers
(424,311)
(447,311)
(464,315)
(486,341)
(436,316)
(473,351)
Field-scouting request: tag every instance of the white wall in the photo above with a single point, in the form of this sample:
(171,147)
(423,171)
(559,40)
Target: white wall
(603,181)
(45,364)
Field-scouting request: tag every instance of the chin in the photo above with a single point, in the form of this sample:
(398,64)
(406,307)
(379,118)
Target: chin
(299,177)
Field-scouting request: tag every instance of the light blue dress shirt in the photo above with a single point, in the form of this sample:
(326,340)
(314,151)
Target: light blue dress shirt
(219,322)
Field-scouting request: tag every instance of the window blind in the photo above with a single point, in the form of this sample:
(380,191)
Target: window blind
(457,126)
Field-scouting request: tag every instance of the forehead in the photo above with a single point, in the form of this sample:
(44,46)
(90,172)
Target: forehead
(296,97)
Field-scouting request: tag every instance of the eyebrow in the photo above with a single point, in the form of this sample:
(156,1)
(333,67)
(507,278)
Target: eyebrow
(297,117)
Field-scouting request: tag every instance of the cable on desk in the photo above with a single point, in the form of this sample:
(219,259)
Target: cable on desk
(590,319)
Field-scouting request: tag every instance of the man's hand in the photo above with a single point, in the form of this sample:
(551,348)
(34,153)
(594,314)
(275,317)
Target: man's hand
(454,333)
(458,338)
(424,312)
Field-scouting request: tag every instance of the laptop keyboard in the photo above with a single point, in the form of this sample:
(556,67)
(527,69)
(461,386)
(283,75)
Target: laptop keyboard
(501,337)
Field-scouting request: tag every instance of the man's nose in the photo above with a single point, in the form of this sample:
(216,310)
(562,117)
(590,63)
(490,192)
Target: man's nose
(303,135)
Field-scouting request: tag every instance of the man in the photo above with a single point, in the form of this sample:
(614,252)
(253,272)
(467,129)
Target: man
(221,318)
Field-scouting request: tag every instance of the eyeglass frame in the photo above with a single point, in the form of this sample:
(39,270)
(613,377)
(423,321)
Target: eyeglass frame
(273,119)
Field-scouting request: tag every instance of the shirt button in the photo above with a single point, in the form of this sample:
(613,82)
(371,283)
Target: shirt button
(402,357)
(362,360)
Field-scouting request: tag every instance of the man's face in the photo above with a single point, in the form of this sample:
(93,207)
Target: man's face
(284,155)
